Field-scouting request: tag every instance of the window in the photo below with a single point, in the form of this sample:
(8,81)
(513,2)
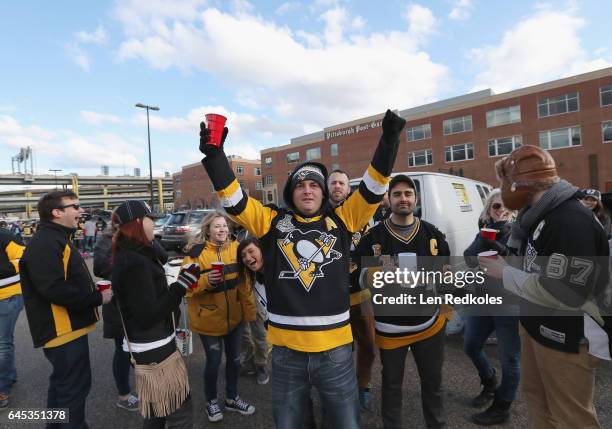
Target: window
(606,95)
(420,157)
(268,162)
(313,153)
(293,157)
(240,169)
(269,179)
(459,152)
(458,125)
(333,149)
(258,185)
(504,115)
(419,132)
(178,193)
(606,130)
(241,183)
(335,167)
(257,171)
(504,145)
(562,137)
(557,105)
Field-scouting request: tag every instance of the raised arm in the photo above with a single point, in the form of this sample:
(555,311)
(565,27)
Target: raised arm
(246,211)
(359,208)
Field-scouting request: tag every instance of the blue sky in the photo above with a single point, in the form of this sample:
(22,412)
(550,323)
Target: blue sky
(72,71)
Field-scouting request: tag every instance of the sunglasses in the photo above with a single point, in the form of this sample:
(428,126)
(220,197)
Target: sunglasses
(76,206)
(497,206)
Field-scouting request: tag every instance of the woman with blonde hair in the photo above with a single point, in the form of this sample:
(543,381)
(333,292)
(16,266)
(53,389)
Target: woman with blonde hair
(217,307)
(503,320)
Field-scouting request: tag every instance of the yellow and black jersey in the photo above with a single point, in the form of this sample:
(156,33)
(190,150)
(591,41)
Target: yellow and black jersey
(424,240)
(58,292)
(217,309)
(12,249)
(306,260)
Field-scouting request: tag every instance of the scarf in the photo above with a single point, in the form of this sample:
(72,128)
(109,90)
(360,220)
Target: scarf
(530,215)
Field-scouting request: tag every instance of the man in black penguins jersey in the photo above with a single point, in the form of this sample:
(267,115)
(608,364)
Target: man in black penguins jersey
(420,329)
(306,255)
(558,351)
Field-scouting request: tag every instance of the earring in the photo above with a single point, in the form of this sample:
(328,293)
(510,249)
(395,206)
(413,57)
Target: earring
(513,187)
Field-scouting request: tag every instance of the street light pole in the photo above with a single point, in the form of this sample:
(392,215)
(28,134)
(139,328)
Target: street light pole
(144,106)
(55,175)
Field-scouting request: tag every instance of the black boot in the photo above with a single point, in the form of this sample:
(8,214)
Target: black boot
(488,392)
(496,414)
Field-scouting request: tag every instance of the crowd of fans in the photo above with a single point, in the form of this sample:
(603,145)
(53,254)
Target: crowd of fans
(293,286)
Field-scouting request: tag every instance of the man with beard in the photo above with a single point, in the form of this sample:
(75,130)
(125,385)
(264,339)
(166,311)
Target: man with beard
(306,250)
(559,240)
(422,330)
(361,316)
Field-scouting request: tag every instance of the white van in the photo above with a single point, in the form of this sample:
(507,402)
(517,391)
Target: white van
(451,203)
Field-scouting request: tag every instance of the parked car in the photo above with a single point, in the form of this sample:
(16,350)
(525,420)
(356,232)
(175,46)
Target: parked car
(181,227)
(159,225)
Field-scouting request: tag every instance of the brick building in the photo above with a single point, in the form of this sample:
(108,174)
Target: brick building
(193,188)
(466,135)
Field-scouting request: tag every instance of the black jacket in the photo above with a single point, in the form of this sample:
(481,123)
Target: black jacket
(145,299)
(58,291)
(103,268)
(492,287)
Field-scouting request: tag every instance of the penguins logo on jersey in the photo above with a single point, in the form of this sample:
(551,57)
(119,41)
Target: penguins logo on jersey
(307,253)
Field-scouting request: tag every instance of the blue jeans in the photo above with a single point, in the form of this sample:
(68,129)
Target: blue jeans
(212,349)
(477,330)
(121,368)
(70,381)
(9,313)
(332,372)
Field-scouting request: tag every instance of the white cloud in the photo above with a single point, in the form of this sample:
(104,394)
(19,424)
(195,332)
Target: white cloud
(97,37)
(461,10)
(78,55)
(67,149)
(542,47)
(287,7)
(242,6)
(314,78)
(358,23)
(421,20)
(96,118)
(335,21)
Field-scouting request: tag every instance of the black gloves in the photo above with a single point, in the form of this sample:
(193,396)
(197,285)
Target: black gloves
(209,149)
(392,126)
(188,276)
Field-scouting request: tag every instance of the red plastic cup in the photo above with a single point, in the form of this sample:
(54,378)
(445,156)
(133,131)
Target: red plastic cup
(488,233)
(490,254)
(102,285)
(216,123)
(217,267)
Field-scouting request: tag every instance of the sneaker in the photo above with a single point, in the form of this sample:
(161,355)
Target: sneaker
(4,400)
(213,411)
(239,405)
(262,375)
(129,404)
(365,399)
